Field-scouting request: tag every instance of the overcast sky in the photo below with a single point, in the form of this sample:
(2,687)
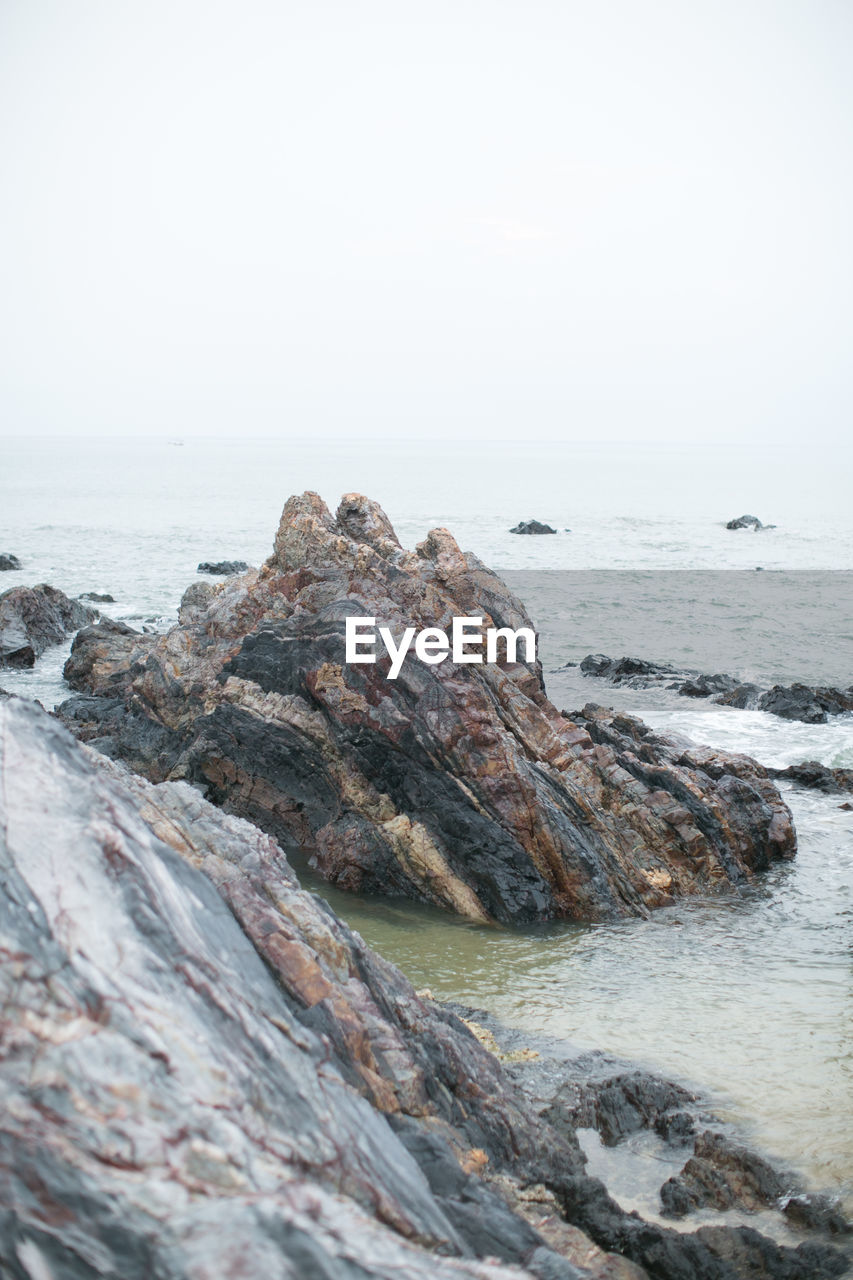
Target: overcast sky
(588,218)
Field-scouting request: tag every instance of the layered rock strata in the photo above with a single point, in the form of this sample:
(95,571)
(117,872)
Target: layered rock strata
(203,1072)
(457,784)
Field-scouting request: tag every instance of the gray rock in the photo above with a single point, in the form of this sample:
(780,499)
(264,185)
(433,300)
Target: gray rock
(748,522)
(194,601)
(34,618)
(8,562)
(205,1072)
(807,703)
(223,568)
(533,527)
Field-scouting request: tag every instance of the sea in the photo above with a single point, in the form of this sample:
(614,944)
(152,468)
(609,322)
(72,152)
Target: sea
(745,997)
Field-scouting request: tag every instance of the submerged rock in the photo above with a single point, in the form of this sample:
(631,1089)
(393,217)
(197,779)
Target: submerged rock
(460,785)
(205,1072)
(34,618)
(532,527)
(97,597)
(222,567)
(8,562)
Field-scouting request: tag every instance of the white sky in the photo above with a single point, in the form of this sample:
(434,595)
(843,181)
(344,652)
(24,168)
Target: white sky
(589,218)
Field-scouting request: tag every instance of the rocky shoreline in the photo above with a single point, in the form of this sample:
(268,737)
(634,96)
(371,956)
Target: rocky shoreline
(810,704)
(203,1066)
(206,1072)
(457,785)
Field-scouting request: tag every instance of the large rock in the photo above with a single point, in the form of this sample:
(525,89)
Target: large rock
(206,1073)
(34,618)
(457,784)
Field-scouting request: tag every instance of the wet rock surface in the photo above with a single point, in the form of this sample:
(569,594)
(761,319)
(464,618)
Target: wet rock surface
(460,785)
(98,597)
(8,562)
(222,567)
(722,1174)
(817,777)
(34,618)
(808,703)
(205,1072)
(532,527)
(575,1089)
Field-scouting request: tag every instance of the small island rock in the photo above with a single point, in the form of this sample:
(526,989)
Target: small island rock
(533,527)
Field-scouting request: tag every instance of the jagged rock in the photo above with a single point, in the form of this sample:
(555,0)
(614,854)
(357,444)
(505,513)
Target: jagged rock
(98,656)
(533,527)
(811,1212)
(743,696)
(457,784)
(806,703)
(813,705)
(34,618)
(626,1103)
(98,597)
(8,562)
(222,567)
(195,601)
(635,672)
(748,522)
(817,777)
(205,1072)
(723,1175)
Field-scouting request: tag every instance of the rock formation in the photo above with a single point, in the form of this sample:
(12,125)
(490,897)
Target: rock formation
(8,562)
(748,522)
(532,527)
(33,618)
(222,568)
(817,777)
(811,704)
(460,785)
(205,1073)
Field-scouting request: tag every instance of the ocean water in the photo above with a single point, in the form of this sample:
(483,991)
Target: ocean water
(747,995)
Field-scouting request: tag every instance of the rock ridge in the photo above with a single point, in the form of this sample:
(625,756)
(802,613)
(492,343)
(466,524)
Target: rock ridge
(459,785)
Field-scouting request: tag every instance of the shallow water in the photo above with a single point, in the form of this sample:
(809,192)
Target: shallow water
(747,995)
